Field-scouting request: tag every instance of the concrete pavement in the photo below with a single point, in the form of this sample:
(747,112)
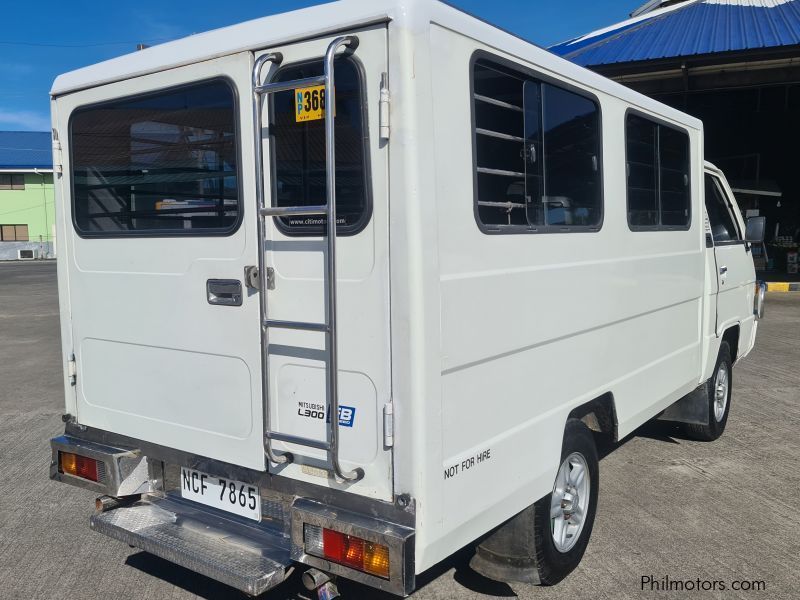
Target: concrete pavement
(725,511)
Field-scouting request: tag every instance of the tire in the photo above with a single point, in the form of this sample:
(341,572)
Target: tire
(554,563)
(523,548)
(718,394)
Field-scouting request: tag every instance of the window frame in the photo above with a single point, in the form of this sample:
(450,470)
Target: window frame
(661,123)
(530,73)
(211,232)
(366,216)
(717,181)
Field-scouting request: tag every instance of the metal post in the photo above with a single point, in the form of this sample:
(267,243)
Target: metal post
(330,167)
(274,57)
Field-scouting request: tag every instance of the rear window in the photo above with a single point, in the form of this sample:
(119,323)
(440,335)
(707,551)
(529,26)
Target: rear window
(160,164)
(298,148)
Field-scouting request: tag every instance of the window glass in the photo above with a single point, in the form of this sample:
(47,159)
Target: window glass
(658,175)
(499,144)
(674,177)
(13,233)
(571,159)
(537,151)
(723,227)
(299,152)
(12,181)
(164,163)
(642,168)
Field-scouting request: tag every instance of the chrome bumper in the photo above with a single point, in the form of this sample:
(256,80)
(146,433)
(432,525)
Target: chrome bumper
(249,558)
(252,557)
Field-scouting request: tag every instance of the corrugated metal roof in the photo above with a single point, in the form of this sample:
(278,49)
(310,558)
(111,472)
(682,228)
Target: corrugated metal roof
(692,28)
(25,150)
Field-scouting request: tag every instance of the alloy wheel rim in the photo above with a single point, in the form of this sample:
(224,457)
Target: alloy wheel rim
(721,387)
(569,502)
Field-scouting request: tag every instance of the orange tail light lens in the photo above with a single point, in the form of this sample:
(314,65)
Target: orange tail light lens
(376,559)
(78,466)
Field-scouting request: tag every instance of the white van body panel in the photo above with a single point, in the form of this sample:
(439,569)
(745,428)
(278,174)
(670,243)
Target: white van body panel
(630,315)
(154,359)
(736,285)
(296,367)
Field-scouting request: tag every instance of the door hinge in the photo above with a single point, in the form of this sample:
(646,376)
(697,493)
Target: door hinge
(383,108)
(58,164)
(72,370)
(388,425)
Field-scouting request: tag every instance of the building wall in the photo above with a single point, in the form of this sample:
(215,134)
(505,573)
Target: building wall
(35,207)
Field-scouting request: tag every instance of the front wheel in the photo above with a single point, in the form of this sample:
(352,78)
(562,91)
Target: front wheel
(718,395)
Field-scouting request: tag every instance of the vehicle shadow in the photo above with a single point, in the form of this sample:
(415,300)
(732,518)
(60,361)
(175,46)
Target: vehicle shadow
(463,575)
(205,587)
(661,431)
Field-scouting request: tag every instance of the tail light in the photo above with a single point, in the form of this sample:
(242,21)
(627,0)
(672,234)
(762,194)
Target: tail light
(347,550)
(78,466)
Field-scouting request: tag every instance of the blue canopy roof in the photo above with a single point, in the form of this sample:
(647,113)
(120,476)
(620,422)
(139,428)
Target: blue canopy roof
(25,150)
(691,28)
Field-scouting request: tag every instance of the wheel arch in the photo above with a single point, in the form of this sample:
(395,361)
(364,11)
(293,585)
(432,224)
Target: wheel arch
(731,335)
(599,415)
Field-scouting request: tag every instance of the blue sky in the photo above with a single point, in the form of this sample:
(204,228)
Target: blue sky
(54,36)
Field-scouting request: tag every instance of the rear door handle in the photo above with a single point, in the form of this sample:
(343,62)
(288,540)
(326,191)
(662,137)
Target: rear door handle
(224,292)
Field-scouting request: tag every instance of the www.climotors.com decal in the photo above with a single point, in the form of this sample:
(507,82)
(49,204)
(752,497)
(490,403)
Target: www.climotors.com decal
(309,410)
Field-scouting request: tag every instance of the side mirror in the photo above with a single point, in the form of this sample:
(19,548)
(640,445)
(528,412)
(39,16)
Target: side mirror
(756,227)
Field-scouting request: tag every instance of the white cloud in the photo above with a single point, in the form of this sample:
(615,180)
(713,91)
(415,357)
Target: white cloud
(24,119)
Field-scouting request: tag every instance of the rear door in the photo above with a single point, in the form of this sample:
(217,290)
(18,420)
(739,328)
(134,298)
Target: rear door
(161,226)
(295,249)
(734,262)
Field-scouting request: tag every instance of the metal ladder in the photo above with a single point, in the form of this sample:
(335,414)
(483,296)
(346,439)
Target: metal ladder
(331,445)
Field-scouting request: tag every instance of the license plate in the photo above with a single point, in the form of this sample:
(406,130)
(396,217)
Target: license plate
(309,104)
(229,495)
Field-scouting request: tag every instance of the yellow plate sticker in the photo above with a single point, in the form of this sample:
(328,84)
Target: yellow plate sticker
(309,103)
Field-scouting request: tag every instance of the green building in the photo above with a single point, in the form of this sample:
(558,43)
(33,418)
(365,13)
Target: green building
(27,208)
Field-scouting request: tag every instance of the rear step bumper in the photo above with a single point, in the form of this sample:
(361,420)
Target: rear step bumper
(252,559)
(142,480)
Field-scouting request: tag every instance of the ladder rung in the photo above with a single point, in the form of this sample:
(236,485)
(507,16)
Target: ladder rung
(301,325)
(282,86)
(300,441)
(286,211)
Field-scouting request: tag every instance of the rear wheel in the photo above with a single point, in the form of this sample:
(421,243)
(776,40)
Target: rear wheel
(563,520)
(718,393)
(546,541)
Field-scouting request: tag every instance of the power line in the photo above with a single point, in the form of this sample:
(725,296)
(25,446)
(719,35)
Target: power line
(94,45)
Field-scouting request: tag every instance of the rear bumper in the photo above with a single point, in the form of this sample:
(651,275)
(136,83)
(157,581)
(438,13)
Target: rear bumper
(250,559)
(250,556)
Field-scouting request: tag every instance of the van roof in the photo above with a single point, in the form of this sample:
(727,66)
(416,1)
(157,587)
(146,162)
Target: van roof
(344,15)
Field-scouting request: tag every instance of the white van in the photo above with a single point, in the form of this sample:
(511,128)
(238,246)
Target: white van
(361,369)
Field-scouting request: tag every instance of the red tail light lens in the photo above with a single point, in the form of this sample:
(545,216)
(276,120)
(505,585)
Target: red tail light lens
(79,466)
(344,549)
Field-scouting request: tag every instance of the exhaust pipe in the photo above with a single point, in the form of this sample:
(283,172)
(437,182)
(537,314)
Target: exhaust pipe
(314,579)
